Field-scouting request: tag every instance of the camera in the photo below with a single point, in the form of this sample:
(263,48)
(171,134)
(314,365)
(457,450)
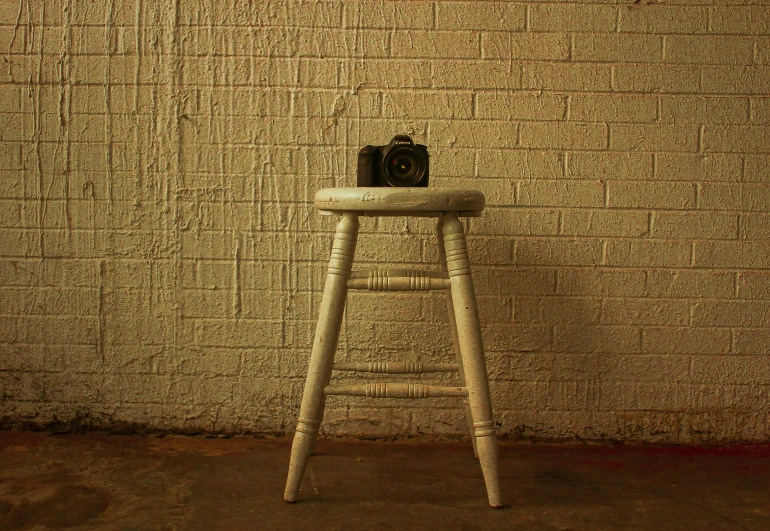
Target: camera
(400,163)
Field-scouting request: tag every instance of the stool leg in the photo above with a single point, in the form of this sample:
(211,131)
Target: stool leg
(453,328)
(324,346)
(472,351)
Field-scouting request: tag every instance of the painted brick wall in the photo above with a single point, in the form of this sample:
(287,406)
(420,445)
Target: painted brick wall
(161,262)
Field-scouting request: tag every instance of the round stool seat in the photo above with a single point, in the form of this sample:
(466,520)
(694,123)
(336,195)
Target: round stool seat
(397,201)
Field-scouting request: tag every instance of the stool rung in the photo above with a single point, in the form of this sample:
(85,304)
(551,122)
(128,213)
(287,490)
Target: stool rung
(398,280)
(395,390)
(387,367)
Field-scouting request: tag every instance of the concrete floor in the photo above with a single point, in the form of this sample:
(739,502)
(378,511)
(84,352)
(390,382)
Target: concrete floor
(98,481)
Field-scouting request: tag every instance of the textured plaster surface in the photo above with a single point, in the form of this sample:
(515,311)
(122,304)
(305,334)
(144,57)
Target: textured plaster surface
(161,262)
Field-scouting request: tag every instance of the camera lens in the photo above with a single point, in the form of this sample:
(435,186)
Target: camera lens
(402,167)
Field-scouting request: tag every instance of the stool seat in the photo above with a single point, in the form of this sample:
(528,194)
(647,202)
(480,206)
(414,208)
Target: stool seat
(388,201)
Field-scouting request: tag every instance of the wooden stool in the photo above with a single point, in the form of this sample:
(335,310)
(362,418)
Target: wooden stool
(455,277)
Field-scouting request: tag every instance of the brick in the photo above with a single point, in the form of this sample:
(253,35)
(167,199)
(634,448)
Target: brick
(395,337)
(323,14)
(492,309)
(597,338)
(600,282)
(745,314)
(321,104)
(736,139)
(733,369)
(690,284)
(650,194)
(754,285)
(379,132)
(22,358)
(452,162)
(704,110)
(760,110)
(752,342)
(416,15)
(653,137)
(734,196)
(669,340)
(427,104)
(523,395)
(491,251)
(522,106)
(500,162)
(506,221)
(477,133)
(321,42)
(362,306)
(663,19)
(560,252)
(10,158)
(475,74)
(566,76)
(381,247)
(613,108)
(449,44)
(20,244)
(745,80)
(658,78)
(561,193)
(754,20)
(695,225)
(323,73)
(525,46)
(304,42)
(13,214)
(531,281)
(480,16)
(604,223)
(49,301)
(520,163)
(738,255)
(498,192)
(618,48)
(10,98)
(757,168)
(401,73)
(622,166)
(55,329)
(556,310)
(648,253)
(564,135)
(222,333)
(710,49)
(517,338)
(697,167)
(755,227)
(655,312)
(572,18)
(761,52)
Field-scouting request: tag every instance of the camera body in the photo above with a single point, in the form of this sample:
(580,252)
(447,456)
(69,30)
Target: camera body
(400,163)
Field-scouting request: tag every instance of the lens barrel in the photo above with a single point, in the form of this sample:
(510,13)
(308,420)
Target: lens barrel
(403,166)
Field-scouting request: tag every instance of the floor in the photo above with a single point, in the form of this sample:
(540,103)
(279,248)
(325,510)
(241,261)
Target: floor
(98,481)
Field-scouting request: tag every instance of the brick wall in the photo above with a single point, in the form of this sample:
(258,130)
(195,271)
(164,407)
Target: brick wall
(161,262)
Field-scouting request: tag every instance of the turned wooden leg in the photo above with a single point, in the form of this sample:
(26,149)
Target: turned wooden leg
(472,352)
(453,329)
(324,346)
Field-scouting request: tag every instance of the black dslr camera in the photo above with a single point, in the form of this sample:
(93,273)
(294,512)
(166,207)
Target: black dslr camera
(400,163)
